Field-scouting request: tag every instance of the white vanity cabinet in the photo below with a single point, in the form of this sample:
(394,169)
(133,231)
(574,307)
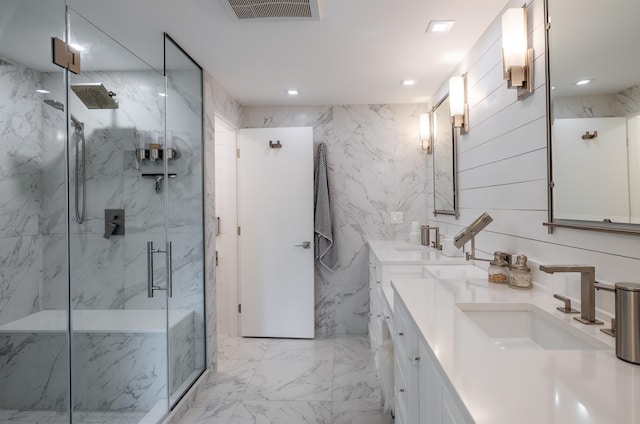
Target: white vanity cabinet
(406,368)
(438,402)
(423,394)
(380,277)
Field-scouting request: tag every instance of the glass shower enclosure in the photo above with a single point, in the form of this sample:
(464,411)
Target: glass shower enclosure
(101,224)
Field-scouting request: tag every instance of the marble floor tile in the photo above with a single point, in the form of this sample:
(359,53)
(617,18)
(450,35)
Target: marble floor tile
(355,381)
(282,412)
(229,382)
(359,412)
(280,379)
(352,348)
(242,348)
(301,349)
(216,412)
(79,417)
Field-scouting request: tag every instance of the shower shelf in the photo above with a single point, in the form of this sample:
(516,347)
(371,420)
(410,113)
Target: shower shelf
(145,156)
(158,178)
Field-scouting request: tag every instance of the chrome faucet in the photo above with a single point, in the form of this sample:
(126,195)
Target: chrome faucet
(436,243)
(587,289)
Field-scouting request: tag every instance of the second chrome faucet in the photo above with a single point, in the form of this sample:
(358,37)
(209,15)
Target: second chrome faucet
(587,289)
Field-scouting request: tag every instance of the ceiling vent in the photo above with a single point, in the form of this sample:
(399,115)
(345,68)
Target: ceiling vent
(276,10)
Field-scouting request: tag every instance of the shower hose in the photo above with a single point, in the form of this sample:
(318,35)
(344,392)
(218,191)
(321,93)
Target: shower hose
(80,168)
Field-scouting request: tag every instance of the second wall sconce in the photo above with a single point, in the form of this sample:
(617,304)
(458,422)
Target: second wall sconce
(517,57)
(425,132)
(458,105)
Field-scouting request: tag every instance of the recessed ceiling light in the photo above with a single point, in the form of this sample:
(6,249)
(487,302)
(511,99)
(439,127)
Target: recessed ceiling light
(42,91)
(162,94)
(408,82)
(440,27)
(293,92)
(583,82)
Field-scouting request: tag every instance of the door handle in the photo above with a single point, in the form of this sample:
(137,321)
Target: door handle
(151,287)
(304,245)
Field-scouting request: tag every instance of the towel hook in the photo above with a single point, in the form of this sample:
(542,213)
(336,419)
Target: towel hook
(589,136)
(275,145)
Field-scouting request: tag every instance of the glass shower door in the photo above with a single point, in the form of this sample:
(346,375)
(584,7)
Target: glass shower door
(185,218)
(117,214)
(34,366)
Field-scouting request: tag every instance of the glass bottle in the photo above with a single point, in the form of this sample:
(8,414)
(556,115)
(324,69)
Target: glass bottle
(499,269)
(520,277)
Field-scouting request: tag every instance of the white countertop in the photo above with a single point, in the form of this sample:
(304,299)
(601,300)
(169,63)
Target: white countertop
(397,252)
(519,386)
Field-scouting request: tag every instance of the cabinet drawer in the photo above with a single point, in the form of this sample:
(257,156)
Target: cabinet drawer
(401,397)
(404,332)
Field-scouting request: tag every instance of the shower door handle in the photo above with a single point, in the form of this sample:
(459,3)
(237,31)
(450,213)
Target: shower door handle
(170,279)
(151,287)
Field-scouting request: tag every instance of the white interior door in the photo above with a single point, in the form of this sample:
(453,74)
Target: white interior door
(275,205)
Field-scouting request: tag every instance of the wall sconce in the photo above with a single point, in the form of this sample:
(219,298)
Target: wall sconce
(459,109)
(517,58)
(425,132)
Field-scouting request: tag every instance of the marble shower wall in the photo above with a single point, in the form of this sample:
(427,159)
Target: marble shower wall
(20,186)
(376,166)
(217,101)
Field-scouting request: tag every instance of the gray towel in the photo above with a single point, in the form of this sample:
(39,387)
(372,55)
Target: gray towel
(324,247)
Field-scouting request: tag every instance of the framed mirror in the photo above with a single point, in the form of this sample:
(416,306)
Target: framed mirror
(594,115)
(444,160)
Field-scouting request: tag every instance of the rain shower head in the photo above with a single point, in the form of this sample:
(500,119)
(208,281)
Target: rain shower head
(95,96)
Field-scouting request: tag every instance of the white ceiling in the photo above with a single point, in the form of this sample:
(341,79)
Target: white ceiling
(357,53)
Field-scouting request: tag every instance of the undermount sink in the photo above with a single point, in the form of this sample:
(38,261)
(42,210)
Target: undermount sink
(452,272)
(526,326)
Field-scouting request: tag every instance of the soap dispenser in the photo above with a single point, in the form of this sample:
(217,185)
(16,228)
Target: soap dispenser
(520,277)
(499,269)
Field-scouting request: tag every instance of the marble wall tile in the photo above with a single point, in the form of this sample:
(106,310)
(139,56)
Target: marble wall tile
(376,166)
(20,276)
(97,274)
(628,100)
(34,371)
(118,371)
(596,106)
(364,134)
(20,170)
(352,308)
(623,103)
(55,291)
(216,101)
(182,345)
